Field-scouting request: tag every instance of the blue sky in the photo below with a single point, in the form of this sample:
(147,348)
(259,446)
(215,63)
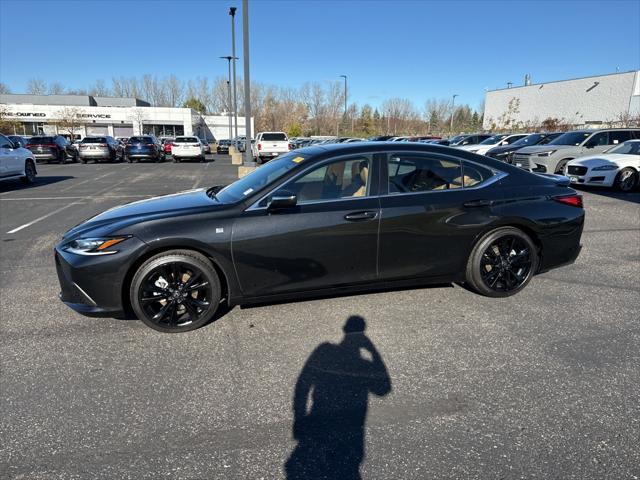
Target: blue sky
(412,49)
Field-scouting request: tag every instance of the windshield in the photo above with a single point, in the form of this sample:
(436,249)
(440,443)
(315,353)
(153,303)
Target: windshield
(94,140)
(570,138)
(140,140)
(40,140)
(532,139)
(627,148)
(186,140)
(274,137)
(260,177)
(493,140)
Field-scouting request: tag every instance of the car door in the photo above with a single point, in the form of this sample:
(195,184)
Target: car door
(434,208)
(328,239)
(8,158)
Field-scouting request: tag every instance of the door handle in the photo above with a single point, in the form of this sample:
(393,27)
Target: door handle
(478,203)
(356,216)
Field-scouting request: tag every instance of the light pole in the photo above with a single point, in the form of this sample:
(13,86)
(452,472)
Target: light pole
(453,101)
(228,58)
(232,12)
(248,150)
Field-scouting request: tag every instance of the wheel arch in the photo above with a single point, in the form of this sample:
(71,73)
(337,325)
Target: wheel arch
(520,224)
(33,161)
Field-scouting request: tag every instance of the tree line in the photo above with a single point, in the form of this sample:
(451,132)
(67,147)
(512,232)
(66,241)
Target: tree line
(313,109)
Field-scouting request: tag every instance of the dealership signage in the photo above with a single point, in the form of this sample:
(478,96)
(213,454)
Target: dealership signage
(30,114)
(80,115)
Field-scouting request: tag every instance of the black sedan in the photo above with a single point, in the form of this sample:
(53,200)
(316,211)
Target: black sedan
(505,152)
(318,221)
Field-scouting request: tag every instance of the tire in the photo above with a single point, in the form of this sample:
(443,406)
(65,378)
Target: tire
(495,273)
(61,158)
(176,160)
(259,160)
(626,180)
(30,173)
(129,159)
(180,309)
(84,161)
(202,159)
(560,166)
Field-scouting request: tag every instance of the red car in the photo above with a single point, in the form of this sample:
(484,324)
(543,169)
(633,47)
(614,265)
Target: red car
(167,143)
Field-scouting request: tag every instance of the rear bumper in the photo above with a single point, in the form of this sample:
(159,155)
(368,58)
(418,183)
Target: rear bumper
(94,154)
(45,156)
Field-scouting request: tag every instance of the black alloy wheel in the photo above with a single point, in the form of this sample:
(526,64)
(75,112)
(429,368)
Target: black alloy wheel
(502,263)
(626,179)
(175,291)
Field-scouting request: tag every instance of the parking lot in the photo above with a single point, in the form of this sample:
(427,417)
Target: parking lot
(545,384)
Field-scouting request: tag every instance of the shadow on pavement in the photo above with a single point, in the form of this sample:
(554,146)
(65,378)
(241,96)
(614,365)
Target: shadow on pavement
(336,380)
(11,185)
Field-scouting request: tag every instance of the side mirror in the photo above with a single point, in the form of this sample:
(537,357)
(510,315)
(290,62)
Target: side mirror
(282,199)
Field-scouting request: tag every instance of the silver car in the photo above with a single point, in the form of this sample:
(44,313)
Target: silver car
(554,156)
(100,148)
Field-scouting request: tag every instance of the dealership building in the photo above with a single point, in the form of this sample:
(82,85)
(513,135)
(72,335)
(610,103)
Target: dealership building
(118,117)
(588,102)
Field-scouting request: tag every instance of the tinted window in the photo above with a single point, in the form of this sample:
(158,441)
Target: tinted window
(414,173)
(5,142)
(493,140)
(598,139)
(617,137)
(94,140)
(274,137)
(187,140)
(514,139)
(532,139)
(475,174)
(343,179)
(570,138)
(41,140)
(146,140)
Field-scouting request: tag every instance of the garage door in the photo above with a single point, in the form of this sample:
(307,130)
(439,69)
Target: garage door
(123,131)
(97,130)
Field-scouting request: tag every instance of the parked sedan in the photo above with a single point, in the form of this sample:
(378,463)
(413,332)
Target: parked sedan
(51,148)
(167,145)
(618,167)
(144,147)
(506,152)
(311,223)
(223,147)
(100,148)
(206,148)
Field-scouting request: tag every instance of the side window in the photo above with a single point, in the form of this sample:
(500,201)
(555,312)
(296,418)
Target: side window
(514,139)
(5,142)
(635,134)
(598,139)
(619,136)
(475,175)
(343,179)
(416,173)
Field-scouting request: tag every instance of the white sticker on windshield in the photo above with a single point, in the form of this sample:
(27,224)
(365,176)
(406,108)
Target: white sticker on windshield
(247,192)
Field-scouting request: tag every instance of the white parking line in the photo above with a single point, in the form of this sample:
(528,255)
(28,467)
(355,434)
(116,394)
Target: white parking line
(88,180)
(17,229)
(89,197)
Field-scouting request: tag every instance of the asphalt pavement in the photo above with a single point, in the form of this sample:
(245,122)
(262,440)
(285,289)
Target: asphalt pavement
(545,384)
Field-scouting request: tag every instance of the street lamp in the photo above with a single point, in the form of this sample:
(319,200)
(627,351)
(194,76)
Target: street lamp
(228,58)
(453,101)
(248,151)
(232,12)
(345,100)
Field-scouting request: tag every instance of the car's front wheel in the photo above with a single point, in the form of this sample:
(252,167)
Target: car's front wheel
(626,180)
(502,263)
(175,291)
(29,173)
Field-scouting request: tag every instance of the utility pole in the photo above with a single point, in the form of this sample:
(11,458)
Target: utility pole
(453,101)
(232,12)
(248,151)
(228,58)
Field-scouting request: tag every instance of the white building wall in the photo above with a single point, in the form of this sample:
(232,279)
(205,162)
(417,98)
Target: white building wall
(581,102)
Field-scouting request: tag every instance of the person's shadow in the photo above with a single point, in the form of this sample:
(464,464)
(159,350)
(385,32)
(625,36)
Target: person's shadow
(331,431)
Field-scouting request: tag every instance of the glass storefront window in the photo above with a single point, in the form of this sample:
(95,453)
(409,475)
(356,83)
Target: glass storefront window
(163,130)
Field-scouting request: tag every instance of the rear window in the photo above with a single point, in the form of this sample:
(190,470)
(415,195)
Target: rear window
(140,140)
(41,140)
(186,140)
(274,137)
(94,140)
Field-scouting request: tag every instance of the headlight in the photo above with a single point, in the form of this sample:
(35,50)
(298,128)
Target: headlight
(547,154)
(606,167)
(93,246)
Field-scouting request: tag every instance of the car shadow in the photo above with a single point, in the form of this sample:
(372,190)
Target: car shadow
(633,196)
(11,185)
(336,381)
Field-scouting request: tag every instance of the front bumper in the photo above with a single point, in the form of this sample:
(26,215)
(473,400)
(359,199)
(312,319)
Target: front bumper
(604,178)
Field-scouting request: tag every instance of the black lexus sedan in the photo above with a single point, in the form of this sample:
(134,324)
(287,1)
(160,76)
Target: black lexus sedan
(320,221)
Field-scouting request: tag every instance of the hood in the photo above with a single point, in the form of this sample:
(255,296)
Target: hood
(475,146)
(544,148)
(595,160)
(503,149)
(156,207)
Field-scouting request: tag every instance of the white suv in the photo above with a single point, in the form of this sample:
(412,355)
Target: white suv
(16,162)
(187,147)
(269,145)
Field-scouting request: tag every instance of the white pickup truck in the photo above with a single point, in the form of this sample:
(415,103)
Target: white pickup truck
(269,145)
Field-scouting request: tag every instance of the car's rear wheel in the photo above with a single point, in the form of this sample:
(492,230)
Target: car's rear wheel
(29,173)
(175,291)
(502,263)
(626,180)
(176,160)
(129,159)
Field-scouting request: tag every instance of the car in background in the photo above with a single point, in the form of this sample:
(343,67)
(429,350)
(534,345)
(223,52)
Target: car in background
(206,147)
(269,145)
(97,148)
(506,152)
(555,155)
(167,145)
(16,161)
(223,147)
(187,147)
(493,141)
(618,167)
(144,147)
(18,140)
(51,148)
(380,138)
(322,222)
(468,139)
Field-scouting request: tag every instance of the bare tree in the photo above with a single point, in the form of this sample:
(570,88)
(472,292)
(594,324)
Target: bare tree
(99,89)
(56,88)
(175,91)
(69,119)
(4,88)
(137,116)
(36,86)
(7,125)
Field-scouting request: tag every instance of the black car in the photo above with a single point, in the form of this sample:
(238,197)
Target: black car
(18,140)
(51,148)
(505,152)
(144,147)
(223,147)
(468,139)
(320,221)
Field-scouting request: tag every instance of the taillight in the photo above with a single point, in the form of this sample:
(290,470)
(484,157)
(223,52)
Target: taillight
(103,145)
(259,146)
(571,200)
